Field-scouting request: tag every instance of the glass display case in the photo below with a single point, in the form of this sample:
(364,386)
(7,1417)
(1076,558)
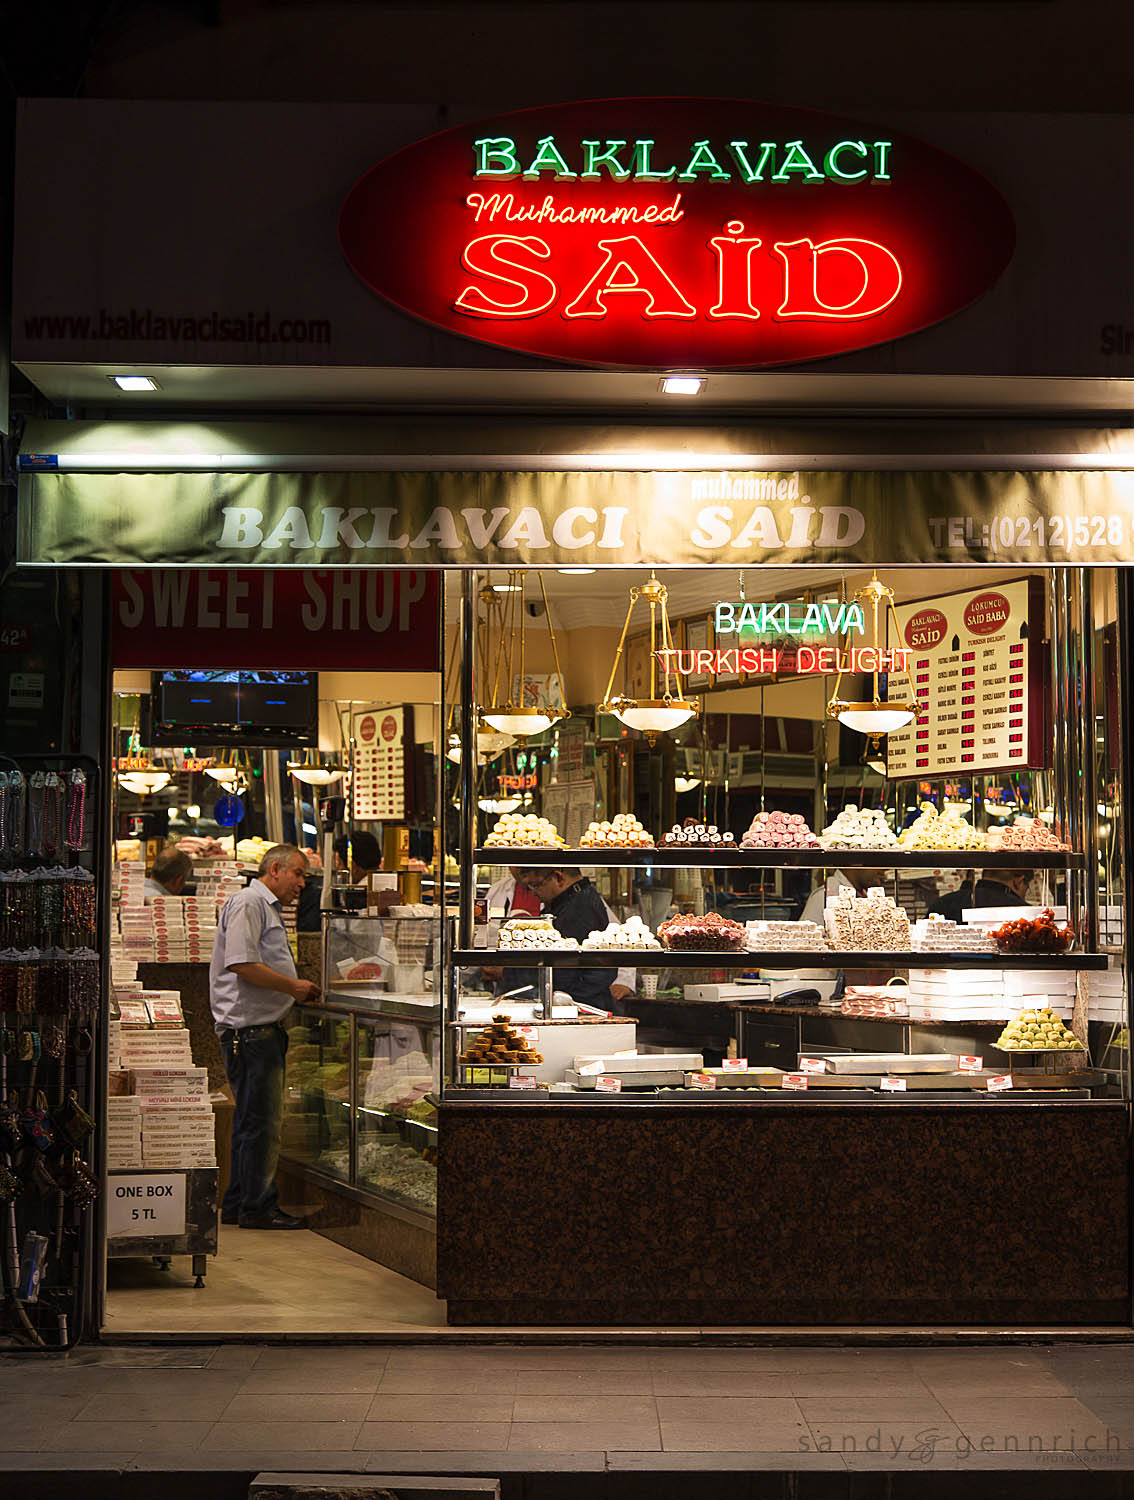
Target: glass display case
(317,1084)
(937,899)
(398,1061)
(364,1063)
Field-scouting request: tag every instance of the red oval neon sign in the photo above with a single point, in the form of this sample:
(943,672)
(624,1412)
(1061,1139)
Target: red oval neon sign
(670,233)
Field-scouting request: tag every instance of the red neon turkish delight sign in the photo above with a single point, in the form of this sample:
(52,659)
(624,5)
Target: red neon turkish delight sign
(676,233)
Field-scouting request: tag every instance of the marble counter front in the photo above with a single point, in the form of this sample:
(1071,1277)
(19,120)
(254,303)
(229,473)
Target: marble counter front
(793,1213)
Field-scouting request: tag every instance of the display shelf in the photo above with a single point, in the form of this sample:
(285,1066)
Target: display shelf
(832,1013)
(718,857)
(808,958)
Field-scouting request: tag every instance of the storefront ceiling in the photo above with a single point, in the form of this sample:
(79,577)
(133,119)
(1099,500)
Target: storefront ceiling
(220,388)
(690,439)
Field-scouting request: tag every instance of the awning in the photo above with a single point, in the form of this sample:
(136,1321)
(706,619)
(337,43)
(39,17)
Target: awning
(346,493)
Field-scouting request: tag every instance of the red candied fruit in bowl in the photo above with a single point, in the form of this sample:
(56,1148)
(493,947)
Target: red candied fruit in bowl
(1033,935)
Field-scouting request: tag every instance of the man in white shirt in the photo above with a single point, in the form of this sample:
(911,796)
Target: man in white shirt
(252,986)
(816,903)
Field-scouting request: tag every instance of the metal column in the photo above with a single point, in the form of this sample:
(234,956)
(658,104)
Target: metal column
(1088,769)
(468,762)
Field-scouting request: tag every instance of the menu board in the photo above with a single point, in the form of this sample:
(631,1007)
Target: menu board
(580,810)
(975,667)
(378,782)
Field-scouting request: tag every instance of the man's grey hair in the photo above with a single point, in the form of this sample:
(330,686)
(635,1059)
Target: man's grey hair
(171,863)
(279,854)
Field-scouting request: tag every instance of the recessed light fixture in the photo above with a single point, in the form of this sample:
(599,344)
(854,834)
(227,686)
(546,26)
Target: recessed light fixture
(682,385)
(507,588)
(135,383)
(572,571)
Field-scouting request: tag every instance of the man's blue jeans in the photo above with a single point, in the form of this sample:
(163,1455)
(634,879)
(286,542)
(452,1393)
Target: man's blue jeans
(254,1062)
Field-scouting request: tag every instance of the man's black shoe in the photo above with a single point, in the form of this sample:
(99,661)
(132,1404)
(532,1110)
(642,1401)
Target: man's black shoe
(276,1219)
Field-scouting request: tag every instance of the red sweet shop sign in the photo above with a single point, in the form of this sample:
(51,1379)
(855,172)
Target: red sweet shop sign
(675,233)
(304,619)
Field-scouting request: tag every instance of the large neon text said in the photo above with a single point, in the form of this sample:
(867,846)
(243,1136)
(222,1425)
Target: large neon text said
(520,276)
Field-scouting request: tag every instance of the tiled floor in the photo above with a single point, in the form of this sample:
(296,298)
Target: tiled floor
(270,1283)
(488,1409)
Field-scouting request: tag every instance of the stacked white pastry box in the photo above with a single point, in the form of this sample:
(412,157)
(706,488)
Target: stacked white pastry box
(1107,994)
(161,1151)
(123,1133)
(215,884)
(135,918)
(988,994)
(982,994)
(170,1095)
(184,929)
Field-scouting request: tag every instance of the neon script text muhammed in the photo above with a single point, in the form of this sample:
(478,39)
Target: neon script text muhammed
(499,156)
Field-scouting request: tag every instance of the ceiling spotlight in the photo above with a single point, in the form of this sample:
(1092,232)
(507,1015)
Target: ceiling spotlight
(682,385)
(572,571)
(135,383)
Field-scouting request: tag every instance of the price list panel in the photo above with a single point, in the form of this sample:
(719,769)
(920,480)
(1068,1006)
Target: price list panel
(378,784)
(976,670)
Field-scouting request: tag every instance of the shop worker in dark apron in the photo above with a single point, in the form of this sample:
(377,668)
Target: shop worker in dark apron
(577,910)
(252,986)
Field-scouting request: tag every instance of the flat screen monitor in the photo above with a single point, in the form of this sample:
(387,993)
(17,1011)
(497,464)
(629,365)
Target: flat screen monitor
(228,707)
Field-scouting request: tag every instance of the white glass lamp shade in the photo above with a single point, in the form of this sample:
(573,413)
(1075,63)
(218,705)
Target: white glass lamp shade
(141,783)
(226,775)
(520,722)
(686,783)
(489,744)
(881,720)
(654,716)
(498,804)
(313,775)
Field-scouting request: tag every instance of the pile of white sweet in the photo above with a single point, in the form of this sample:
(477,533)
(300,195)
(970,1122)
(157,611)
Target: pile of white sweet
(533,932)
(784,935)
(870,923)
(938,935)
(633,933)
(859,828)
(623,831)
(524,831)
(946,830)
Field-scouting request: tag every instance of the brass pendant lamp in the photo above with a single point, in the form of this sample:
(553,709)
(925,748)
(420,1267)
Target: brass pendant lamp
(489,742)
(505,606)
(880,715)
(660,712)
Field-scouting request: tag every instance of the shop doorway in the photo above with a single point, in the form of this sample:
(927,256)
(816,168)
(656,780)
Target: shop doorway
(215,764)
